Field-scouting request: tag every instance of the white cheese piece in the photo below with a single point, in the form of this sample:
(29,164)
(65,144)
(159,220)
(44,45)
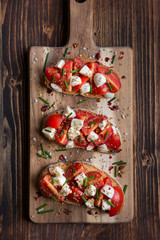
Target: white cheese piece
(75,80)
(73,133)
(49,132)
(99,79)
(90,191)
(103,148)
(103,124)
(56,87)
(90,203)
(65,190)
(114,129)
(80,179)
(86,71)
(108,191)
(60,64)
(70,144)
(68,111)
(89,147)
(109,95)
(85,88)
(77,124)
(105,205)
(59,181)
(57,171)
(92,136)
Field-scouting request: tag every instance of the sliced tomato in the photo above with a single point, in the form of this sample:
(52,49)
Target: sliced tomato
(50,71)
(97,181)
(108,130)
(88,127)
(111,78)
(107,181)
(83,115)
(93,67)
(117,200)
(78,63)
(81,141)
(114,142)
(48,188)
(54,121)
(68,67)
(83,79)
(74,170)
(100,90)
(61,134)
(76,195)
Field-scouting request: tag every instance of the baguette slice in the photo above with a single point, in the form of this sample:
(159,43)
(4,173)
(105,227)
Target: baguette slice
(98,183)
(112,84)
(108,139)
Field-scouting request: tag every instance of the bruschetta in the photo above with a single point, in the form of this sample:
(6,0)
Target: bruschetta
(81,76)
(77,128)
(80,183)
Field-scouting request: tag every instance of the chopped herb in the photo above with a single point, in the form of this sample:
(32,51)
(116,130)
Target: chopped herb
(85,181)
(92,123)
(122,163)
(97,194)
(100,210)
(49,155)
(62,133)
(94,142)
(41,207)
(116,171)
(54,199)
(91,88)
(83,198)
(42,149)
(62,71)
(53,78)
(59,150)
(51,105)
(65,51)
(67,136)
(90,178)
(67,210)
(125,188)
(69,115)
(79,139)
(46,62)
(110,87)
(40,155)
(73,169)
(109,202)
(111,99)
(66,85)
(82,101)
(109,72)
(44,100)
(119,163)
(76,70)
(53,180)
(42,212)
(113,58)
(106,135)
(66,180)
(46,130)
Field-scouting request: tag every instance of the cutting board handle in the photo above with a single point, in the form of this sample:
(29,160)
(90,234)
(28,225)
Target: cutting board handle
(81,21)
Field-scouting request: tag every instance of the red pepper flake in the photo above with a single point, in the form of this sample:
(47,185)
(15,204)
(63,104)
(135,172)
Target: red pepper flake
(39,194)
(67,213)
(121,55)
(114,108)
(110,168)
(110,157)
(49,90)
(123,77)
(68,53)
(44,108)
(119,175)
(107,59)
(98,56)
(90,212)
(112,67)
(109,104)
(121,167)
(62,158)
(75,45)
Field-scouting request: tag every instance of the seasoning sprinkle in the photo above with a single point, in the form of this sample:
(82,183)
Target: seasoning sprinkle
(62,71)
(46,62)
(110,203)
(66,51)
(67,210)
(73,169)
(82,101)
(62,133)
(59,150)
(113,58)
(44,100)
(83,198)
(51,105)
(54,199)
(41,207)
(49,155)
(66,85)
(94,142)
(46,130)
(73,71)
(106,135)
(47,211)
(110,87)
(53,180)
(116,171)
(111,100)
(79,139)
(91,88)
(85,181)
(69,115)
(97,194)
(125,188)
(53,78)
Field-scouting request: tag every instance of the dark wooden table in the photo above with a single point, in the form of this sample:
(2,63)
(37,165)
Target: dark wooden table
(134,23)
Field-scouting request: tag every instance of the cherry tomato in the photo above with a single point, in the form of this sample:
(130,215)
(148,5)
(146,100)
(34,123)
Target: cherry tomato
(114,142)
(61,134)
(97,181)
(100,90)
(117,200)
(89,127)
(83,115)
(107,181)
(83,79)
(107,130)
(68,67)
(78,63)
(73,170)
(81,141)
(76,195)
(50,71)
(54,121)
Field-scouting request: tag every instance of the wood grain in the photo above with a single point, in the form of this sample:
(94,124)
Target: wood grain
(116,23)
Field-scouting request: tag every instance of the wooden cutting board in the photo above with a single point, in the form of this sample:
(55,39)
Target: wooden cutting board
(80,33)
